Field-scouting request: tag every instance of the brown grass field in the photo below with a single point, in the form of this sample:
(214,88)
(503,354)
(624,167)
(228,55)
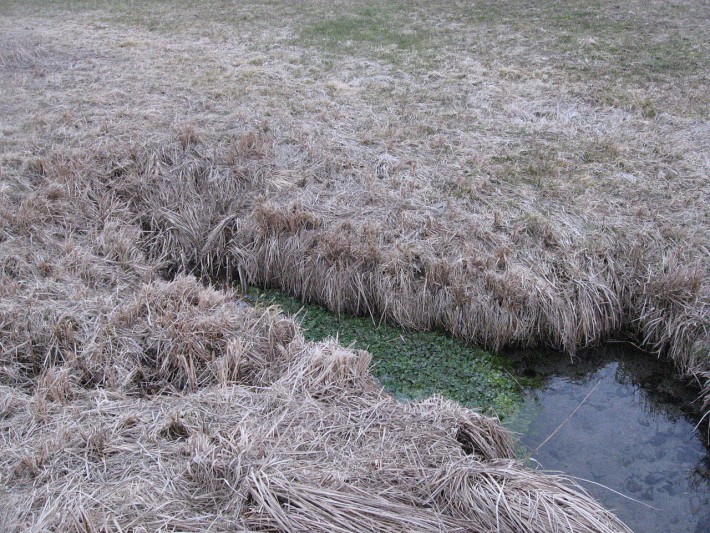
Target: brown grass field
(517,173)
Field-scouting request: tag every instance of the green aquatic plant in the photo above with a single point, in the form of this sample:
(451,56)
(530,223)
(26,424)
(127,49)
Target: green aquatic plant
(411,364)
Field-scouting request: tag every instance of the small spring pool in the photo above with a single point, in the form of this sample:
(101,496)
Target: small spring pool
(633,436)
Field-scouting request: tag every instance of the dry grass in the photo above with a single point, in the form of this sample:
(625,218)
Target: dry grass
(514,173)
(134,403)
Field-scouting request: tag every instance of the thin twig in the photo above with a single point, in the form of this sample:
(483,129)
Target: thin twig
(564,421)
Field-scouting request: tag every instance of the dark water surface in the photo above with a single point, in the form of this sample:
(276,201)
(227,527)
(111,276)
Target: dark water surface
(634,434)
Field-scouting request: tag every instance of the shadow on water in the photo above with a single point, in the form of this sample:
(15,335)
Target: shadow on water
(635,434)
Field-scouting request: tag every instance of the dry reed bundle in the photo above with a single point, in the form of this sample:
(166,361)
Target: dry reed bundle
(285,505)
(472,489)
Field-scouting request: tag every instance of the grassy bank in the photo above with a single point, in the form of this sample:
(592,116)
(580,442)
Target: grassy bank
(132,401)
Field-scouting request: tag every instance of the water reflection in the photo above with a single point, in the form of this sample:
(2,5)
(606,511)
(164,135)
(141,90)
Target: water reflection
(634,434)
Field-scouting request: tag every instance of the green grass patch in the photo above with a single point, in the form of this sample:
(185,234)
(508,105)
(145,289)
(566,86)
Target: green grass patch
(382,30)
(412,365)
